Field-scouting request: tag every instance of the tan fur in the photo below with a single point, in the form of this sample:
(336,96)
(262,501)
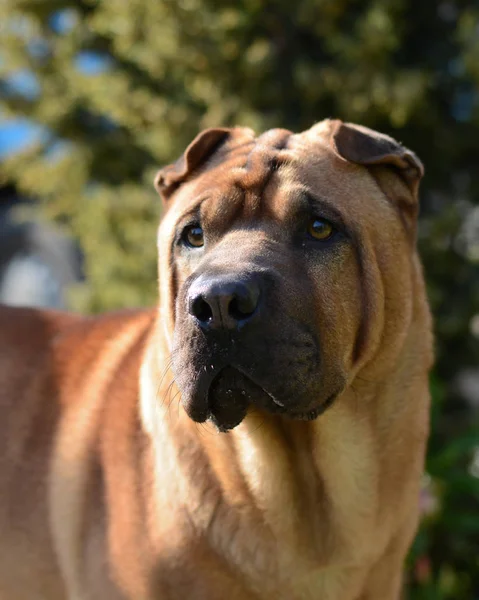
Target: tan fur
(109,490)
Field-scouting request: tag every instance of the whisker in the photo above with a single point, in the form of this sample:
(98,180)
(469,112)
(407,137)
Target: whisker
(171,399)
(167,392)
(169,363)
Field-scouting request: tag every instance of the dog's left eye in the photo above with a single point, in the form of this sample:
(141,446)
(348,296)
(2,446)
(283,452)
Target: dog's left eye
(320,229)
(193,236)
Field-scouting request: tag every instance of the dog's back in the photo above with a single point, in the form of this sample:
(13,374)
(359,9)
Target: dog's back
(55,368)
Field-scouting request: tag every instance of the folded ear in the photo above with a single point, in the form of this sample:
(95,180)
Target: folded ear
(197,153)
(396,169)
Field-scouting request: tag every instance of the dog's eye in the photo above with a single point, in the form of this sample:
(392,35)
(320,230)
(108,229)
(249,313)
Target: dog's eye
(192,236)
(320,229)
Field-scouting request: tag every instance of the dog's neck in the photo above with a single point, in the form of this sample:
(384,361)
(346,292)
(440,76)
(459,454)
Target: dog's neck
(320,487)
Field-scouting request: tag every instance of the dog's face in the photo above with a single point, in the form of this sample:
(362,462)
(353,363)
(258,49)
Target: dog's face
(270,265)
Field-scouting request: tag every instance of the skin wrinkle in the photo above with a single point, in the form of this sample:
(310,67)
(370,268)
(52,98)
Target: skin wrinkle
(307,502)
(400,204)
(174,283)
(387,307)
(223,541)
(361,336)
(268,500)
(261,162)
(228,210)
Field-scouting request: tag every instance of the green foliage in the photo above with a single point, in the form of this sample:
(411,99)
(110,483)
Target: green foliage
(169,69)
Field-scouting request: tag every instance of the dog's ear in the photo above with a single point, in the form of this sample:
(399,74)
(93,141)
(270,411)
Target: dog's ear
(364,146)
(396,169)
(201,148)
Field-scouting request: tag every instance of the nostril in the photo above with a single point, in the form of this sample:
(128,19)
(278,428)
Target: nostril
(200,309)
(243,307)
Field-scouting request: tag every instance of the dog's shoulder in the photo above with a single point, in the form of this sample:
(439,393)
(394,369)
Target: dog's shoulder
(25,329)
(27,326)
(26,334)
(53,345)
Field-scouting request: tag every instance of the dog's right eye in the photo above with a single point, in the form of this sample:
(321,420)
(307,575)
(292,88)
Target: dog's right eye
(193,236)
(320,229)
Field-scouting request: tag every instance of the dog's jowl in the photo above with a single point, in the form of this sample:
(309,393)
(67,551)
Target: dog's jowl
(261,433)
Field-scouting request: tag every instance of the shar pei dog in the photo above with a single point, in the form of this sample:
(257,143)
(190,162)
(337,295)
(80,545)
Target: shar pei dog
(261,433)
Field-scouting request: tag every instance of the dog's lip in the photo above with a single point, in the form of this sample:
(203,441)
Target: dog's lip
(202,407)
(209,376)
(229,395)
(197,408)
(248,375)
(313,414)
(198,411)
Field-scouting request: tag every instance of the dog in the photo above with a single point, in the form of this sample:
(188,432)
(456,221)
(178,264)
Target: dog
(261,433)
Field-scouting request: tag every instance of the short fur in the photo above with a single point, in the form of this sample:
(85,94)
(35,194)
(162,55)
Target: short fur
(108,487)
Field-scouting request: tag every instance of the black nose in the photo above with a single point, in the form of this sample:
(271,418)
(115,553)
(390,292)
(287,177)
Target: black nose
(223,304)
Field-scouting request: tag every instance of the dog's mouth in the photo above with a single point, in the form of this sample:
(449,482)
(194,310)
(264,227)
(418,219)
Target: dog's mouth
(232,392)
(229,396)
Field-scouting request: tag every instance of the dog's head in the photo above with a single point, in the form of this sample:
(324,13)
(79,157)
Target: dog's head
(285,265)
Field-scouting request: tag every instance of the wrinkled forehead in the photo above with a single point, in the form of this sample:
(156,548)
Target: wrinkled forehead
(274,176)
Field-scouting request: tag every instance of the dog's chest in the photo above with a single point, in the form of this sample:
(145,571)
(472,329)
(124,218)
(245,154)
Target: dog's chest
(295,520)
(290,515)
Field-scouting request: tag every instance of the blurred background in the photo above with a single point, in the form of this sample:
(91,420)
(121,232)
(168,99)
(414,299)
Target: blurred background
(95,96)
